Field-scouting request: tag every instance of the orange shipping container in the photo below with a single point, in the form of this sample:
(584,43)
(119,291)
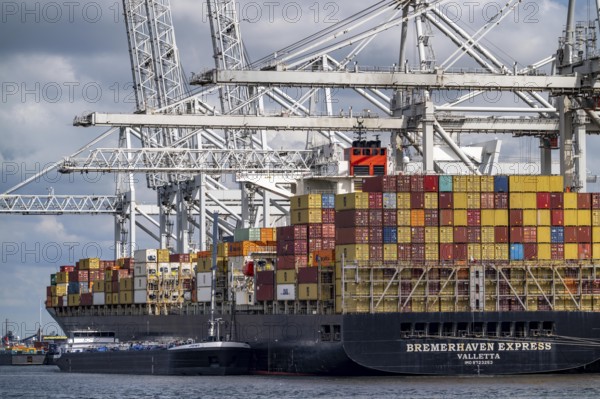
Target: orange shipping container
(417,217)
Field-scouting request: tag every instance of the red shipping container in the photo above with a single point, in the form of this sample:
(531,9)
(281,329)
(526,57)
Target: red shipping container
(487,201)
(584,234)
(556,201)
(404,252)
(328,230)
(86,300)
(446,252)
(352,218)
(315,230)
(115,286)
(372,184)
(543,200)
(290,233)
(67,269)
(315,244)
(352,235)
(516,235)
(403,184)
(585,251)
(375,235)
(375,200)
(417,200)
(328,216)
(49,291)
(557,251)
(416,183)
(570,234)
(446,217)
(595,200)
(515,217)
(417,235)
(128,263)
(328,244)
(376,252)
(265,293)
(530,235)
(390,217)
(460,252)
(376,217)
(431,183)
(530,251)
(290,262)
(460,235)
(179,258)
(501,200)
(473,217)
(308,275)
(73,277)
(265,277)
(557,217)
(474,234)
(431,217)
(584,201)
(501,234)
(417,252)
(446,200)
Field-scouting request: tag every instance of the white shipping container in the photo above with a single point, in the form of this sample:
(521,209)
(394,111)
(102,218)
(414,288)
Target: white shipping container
(286,292)
(140,283)
(204,294)
(98,298)
(145,255)
(187,270)
(140,296)
(244,298)
(187,295)
(164,269)
(144,269)
(203,279)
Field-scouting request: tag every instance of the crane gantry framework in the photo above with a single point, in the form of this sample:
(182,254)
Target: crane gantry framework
(185,146)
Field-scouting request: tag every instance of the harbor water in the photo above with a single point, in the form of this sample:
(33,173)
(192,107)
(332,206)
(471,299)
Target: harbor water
(48,382)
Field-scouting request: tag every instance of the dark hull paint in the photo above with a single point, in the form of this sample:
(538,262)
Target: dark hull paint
(370,344)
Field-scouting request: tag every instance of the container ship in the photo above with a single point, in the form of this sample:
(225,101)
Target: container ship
(404,274)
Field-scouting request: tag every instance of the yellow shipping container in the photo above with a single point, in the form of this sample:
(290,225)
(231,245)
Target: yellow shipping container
(162,255)
(403,200)
(390,252)
(543,184)
(308,292)
(487,184)
(584,217)
(529,200)
(473,200)
(596,250)
(352,252)
(544,234)
(570,217)
(474,251)
(488,217)
(557,184)
(431,200)
(488,235)
(515,200)
(61,289)
(460,200)
(570,201)
(596,234)
(459,184)
(89,263)
(115,298)
(306,216)
(460,217)
(571,251)
(125,297)
(529,217)
(544,250)
(432,252)
(62,277)
(522,184)
(473,184)
(351,201)
(222,249)
(432,235)
(446,235)
(73,300)
(595,218)
(501,251)
(285,277)
(403,217)
(488,252)
(126,284)
(307,201)
(98,286)
(404,235)
(501,217)
(543,217)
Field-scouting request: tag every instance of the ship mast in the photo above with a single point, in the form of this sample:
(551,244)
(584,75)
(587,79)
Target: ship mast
(212,322)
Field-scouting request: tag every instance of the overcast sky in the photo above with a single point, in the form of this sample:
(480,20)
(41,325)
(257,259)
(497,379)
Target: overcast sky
(60,59)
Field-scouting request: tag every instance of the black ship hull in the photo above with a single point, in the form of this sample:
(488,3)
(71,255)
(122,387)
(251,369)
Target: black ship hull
(444,343)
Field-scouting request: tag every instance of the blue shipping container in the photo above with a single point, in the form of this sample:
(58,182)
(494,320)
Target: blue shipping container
(557,235)
(389,200)
(390,235)
(73,288)
(517,252)
(445,183)
(227,239)
(327,201)
(501,184)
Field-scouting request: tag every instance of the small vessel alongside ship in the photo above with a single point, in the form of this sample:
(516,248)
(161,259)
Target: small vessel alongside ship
(16,352)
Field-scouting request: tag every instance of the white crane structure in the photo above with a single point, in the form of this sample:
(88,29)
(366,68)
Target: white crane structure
(186,146)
